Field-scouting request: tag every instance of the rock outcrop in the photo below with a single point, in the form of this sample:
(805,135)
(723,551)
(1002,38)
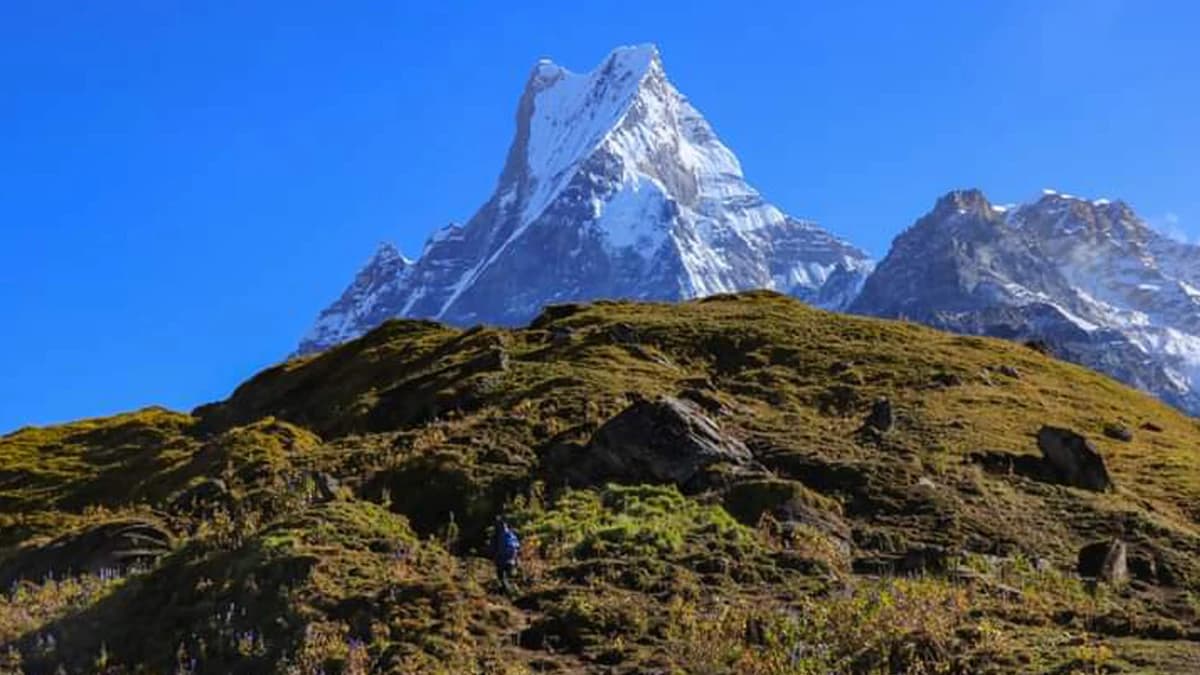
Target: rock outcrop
(1107,561)
(1073,459)
(669,440)
(110,548)
(788,503)
(882,417)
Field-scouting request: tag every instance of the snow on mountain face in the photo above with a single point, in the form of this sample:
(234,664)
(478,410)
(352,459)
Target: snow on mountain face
(615,186)
(366,301)
(1088,277)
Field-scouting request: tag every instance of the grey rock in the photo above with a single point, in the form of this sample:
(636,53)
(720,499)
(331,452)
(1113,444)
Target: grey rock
(1106,561)
(204,496)
(560,336)
(623,334)
(875,565)
(669,440)
(787,504)
(1073,458)
(882,418)
(112,547)
(947,380)
(1118,432)
(926,559)
(328,488)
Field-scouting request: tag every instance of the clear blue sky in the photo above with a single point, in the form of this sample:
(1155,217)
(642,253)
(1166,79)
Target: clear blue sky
(184,185)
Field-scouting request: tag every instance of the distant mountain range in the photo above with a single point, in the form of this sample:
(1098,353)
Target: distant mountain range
(1088,278)
(615,186)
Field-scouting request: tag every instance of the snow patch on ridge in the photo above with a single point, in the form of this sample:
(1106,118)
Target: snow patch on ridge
(632,218)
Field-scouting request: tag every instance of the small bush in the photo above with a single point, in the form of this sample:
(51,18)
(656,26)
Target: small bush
(630,521)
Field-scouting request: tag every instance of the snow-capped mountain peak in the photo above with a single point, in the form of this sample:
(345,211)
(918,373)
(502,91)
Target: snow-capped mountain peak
(1087,276)
(614,186)
(364,301)
(572,114)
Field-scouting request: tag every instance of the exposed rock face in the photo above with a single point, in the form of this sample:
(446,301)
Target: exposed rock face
(112,547)
(615,186)
(1106,561)
(789,503)
(203,497)
(882,418)
(1118,432)
(670,440)
(1074,460)
(1087,281)
(328,488)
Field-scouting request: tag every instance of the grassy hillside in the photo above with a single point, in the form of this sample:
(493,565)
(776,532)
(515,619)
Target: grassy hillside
(332,515)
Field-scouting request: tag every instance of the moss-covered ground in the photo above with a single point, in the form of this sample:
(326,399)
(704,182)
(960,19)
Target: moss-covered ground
(332,515)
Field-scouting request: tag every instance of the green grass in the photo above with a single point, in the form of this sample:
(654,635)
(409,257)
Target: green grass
(630,522)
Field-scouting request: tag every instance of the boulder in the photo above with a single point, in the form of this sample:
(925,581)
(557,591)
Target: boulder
(947,380)
(623,334)
(790,504)
(838,367)
(669,440)
(109,548)
(205,496)
(1118,432)
(1073,459)
(838,399)
(1009,371)
(882,418)
(925,559)
(495,358)
(556,312)
(1143,566)
(1105,560)
(1040,346)
(328,488)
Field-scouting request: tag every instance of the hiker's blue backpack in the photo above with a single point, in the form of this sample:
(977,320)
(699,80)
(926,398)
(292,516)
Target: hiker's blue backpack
(509,545)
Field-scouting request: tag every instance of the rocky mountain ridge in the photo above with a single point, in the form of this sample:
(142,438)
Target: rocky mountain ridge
(1089,279)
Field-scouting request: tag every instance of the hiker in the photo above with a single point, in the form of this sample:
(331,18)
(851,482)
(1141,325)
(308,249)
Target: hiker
(505,547)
